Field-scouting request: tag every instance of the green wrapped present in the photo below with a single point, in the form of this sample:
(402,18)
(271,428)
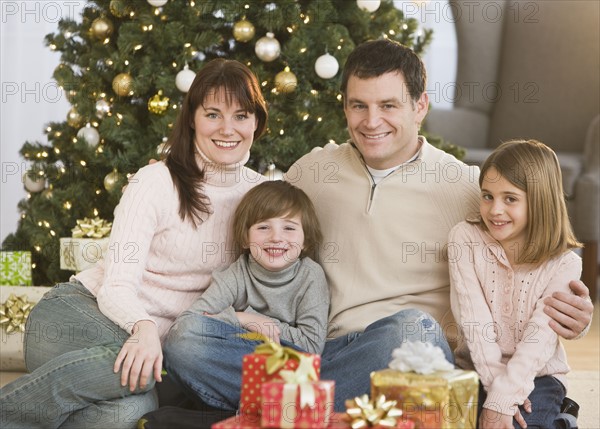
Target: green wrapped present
(15,268)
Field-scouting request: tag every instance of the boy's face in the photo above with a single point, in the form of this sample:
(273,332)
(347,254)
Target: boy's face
(383,120)
(276,243)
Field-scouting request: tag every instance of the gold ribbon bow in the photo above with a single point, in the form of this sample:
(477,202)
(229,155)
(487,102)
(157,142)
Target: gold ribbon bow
(14,312)
(279,354)
(302,377)
(91,228)
(363,413)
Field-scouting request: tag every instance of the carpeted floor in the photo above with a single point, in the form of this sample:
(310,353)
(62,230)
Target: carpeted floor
(584,388)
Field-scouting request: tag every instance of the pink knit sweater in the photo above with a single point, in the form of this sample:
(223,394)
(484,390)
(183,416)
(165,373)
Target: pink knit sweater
(499,308)
(157,265)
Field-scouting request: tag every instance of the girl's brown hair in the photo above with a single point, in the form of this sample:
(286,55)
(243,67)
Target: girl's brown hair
(276,199)
(533,167)
(239,85)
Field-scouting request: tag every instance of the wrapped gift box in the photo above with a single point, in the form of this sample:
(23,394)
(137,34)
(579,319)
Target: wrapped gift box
(281,406)
(78,254)
(336,421)
(443,399)
(254,374)
(15,268)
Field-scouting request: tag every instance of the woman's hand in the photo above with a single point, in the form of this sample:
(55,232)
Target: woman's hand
(140,356)
(258,323)
(491,419)
(570,313)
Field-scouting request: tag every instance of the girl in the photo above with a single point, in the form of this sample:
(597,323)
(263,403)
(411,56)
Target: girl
(99,369)
(274,287)
(502,266)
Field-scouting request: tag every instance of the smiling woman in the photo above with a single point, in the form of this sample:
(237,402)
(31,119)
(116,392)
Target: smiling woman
(134,301)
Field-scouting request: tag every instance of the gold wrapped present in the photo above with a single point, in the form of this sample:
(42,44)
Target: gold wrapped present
(440,400)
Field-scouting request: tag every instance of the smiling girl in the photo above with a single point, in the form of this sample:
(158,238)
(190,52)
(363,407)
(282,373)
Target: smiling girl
(502,266)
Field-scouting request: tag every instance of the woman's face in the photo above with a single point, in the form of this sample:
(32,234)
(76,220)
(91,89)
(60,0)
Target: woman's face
(223,132)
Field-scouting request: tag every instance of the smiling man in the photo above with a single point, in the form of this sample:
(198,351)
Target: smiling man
(386,201)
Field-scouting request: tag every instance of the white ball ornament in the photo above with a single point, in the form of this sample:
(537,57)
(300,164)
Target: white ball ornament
(267,48)
(158,3)
(326,66)
(90,135)
(273,173)
(369,5)
(34,185)
(184,79)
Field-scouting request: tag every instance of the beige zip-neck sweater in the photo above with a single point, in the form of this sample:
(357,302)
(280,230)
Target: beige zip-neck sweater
(384,247)
(157,265)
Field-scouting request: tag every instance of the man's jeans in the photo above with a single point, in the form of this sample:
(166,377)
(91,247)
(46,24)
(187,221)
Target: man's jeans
(205,355)
(70,350)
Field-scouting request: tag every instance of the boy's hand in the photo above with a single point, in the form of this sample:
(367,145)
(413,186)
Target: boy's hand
(261,324)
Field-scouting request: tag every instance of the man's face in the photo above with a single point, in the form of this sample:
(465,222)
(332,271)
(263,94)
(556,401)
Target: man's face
(383,120)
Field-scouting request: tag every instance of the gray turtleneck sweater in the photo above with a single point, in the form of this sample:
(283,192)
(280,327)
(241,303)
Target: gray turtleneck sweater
(296,298)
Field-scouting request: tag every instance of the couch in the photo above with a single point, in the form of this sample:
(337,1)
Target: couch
(530,69)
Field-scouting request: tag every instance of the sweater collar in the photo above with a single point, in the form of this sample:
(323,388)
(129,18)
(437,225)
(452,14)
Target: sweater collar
(272,278)
(216,174)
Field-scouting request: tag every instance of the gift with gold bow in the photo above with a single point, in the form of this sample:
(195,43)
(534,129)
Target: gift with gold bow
(91,228)
(266,364)
(428,389)
(14,312)
(88,245)
(379,413)
(299,400)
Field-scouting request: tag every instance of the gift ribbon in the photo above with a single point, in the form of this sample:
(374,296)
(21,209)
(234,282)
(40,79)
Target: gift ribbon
(91,228)
(301,378)
(278,354)
(365,413)
(14,312)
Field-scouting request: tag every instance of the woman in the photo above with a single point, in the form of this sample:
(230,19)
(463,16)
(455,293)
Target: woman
(93,345)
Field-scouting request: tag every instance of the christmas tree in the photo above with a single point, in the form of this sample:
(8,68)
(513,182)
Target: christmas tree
(125,68)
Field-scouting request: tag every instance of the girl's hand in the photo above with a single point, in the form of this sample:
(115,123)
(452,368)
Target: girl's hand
(519,418)
(258,323)
(140,356)
(491,419)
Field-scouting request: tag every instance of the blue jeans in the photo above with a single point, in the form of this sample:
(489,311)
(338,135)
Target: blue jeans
(546,400)
(70,349)
(205,356)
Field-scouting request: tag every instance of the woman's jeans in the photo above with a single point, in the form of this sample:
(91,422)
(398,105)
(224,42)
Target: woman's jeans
(205,355)
(546,400)
(70,350)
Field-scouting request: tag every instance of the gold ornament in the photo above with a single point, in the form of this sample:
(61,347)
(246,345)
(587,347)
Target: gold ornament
(74,119)
(158,104)
(243,31)
(47,193)
(101,28)
(286,81)
(111,180)
(91,228)
(363,413)
(119,8)
(267,48)
(122,84)
(14,312)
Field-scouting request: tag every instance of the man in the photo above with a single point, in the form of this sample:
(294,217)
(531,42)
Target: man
(386,201)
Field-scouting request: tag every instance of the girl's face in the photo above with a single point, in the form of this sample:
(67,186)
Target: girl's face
(277,242)
(224,133)
(503,208)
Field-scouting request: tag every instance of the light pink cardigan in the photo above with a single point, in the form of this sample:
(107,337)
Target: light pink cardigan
(505,333)
(157,265)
